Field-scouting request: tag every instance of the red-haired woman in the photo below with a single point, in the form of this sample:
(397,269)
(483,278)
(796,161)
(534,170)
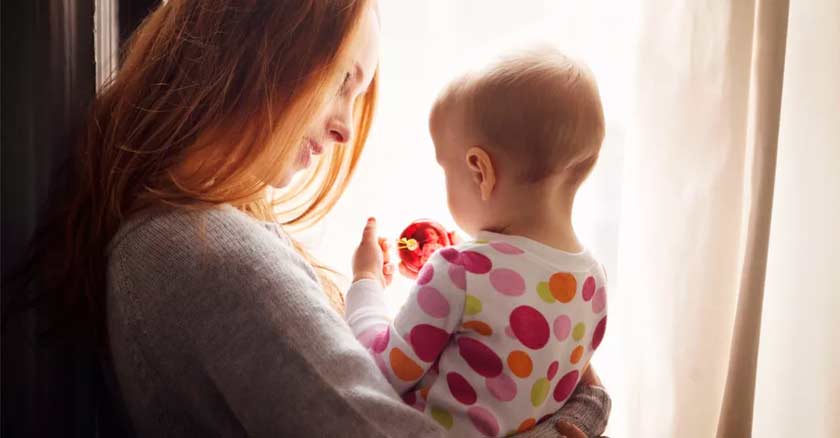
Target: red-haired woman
(169,253)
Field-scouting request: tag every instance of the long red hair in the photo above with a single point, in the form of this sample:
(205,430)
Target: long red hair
(210,105)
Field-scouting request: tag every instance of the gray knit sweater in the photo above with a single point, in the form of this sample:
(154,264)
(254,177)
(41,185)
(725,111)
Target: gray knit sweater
(217,327)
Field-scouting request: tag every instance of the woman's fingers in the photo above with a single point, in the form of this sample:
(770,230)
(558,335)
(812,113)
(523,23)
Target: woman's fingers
(569,430)
(590,377)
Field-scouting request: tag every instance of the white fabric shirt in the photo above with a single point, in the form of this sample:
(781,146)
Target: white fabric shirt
(494,336)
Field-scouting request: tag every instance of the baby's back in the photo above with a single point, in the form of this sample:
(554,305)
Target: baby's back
(532,318)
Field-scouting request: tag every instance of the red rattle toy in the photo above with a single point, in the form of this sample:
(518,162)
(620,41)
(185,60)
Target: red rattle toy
(418,242)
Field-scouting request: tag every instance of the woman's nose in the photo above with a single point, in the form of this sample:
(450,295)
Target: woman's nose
(340,125)
(340,132)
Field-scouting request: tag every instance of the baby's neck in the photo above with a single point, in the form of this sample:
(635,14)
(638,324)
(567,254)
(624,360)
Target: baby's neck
(548,222)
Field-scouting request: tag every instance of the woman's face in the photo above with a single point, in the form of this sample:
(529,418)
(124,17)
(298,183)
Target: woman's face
(335,123)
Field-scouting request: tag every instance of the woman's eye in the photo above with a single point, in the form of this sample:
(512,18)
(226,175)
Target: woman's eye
(344,83)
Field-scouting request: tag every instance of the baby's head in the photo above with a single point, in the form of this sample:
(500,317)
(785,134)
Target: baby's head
(516,137)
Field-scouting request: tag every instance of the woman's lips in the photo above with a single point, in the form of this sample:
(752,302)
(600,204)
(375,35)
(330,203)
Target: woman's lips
(315,147)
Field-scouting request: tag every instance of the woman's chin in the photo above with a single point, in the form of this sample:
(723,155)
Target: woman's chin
(281,182)
(289,176)
(285,179)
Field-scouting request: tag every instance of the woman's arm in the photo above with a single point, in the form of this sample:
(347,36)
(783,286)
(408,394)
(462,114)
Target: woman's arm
(587,411)
(239,323)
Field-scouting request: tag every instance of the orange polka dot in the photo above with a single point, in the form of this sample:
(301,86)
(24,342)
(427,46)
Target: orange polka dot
(424,392)
(479,327)
(562,286)
(520,363)
(577,353)
(404,368)
(526,425)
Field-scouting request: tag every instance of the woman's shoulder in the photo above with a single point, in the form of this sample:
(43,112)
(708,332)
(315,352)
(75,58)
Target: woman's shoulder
(211,241)
(166,224)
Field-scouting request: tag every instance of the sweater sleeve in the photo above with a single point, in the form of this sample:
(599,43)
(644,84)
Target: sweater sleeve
(243,309)
(407,347)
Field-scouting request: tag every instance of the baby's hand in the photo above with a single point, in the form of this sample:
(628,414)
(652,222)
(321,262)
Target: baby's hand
(387,266)
(371,259)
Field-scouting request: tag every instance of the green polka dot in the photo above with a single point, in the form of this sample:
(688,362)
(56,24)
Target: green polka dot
(539,391)
(442,417)
(544,292)
(481,242)
(579,331)
(472,305)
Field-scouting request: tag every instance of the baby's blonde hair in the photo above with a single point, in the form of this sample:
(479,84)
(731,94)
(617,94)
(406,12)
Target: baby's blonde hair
(539,108)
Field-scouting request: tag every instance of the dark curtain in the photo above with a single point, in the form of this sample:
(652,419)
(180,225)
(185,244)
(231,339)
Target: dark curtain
(48,81)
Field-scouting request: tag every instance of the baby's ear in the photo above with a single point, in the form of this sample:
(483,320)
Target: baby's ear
(482,170)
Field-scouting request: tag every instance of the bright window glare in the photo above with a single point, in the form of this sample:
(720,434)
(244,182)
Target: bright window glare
(426,44)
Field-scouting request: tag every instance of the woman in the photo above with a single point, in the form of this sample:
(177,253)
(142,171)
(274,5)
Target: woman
(169,256)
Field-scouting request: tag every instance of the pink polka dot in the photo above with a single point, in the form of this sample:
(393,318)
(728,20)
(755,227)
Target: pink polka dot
(381,342)
(409,398)
(475,262)
(506,248)
(588,288)
(565,386)
(598,334)
(426,274)
(562,327)
(432,302)
(428,341)
(509,332)
(507,282)
(458,275)
(483,420)
(451,255)
(599,301)
(461,388)
(479,357)
(502,387)
(529,326)
(367,337)
(552,370)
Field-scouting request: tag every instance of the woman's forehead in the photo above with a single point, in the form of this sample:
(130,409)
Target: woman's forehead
(365,52)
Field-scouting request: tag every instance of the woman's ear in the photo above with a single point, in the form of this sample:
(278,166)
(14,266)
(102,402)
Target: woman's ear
(482,171)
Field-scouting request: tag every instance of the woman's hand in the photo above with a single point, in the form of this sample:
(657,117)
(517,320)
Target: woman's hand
(590,377)
(371,260)
(569,430)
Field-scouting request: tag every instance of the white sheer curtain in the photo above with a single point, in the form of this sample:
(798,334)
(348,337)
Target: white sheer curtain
(667,206)
(798,379)
(426,44)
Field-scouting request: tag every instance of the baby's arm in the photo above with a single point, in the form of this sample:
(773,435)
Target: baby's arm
(407,347)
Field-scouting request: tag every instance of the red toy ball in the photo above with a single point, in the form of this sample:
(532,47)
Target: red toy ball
(418,242)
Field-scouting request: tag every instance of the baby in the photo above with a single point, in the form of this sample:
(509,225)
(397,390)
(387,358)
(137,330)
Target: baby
(496,333)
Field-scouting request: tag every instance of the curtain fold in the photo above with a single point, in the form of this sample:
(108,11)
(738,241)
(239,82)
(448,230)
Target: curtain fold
(679,206)
(709,346)
(767,79)
(680,240)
